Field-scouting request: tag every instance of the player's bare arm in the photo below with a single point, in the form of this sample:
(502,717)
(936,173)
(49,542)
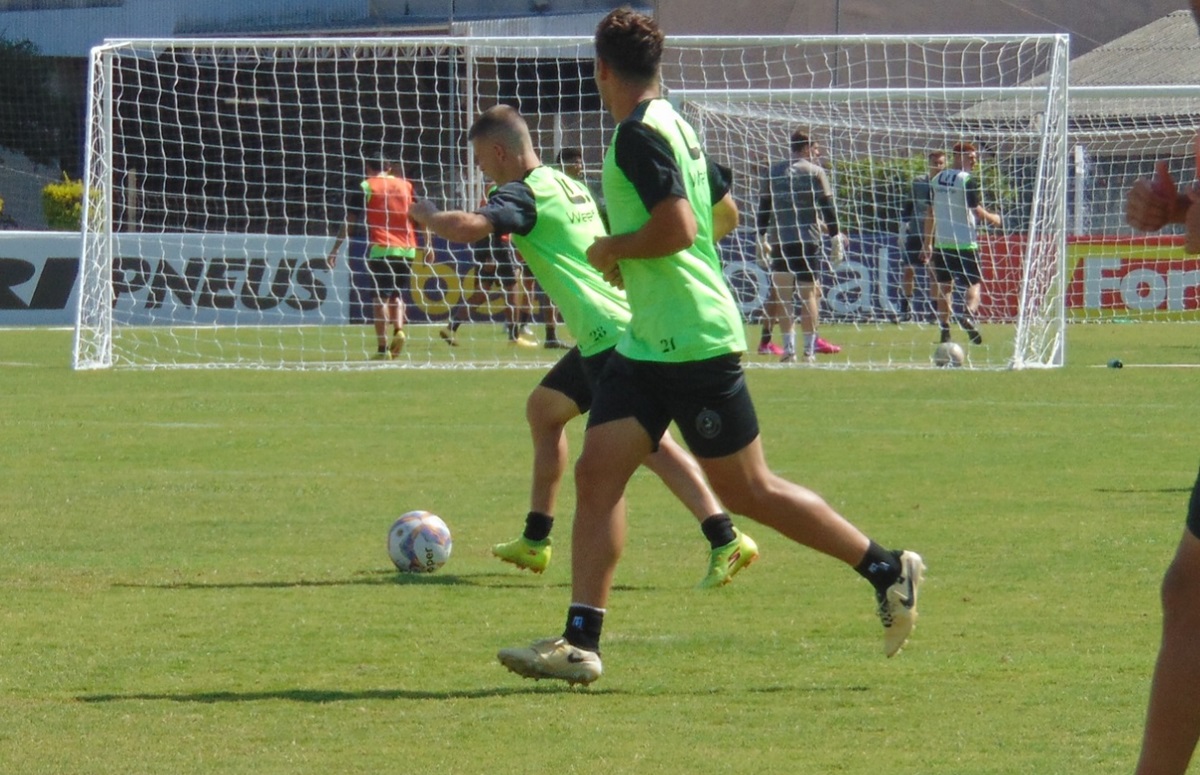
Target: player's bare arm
(725,217)
(992,219)
(341,238)
(670,229)
(453,225)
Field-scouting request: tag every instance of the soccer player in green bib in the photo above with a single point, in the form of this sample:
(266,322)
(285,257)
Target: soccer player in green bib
(553,219)
(679,360)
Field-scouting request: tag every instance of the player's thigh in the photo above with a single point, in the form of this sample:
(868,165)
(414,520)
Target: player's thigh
(612,451)
(710,404)
(942,267)
(741,480)
(913,245)
(627,389)
(970,267)
(547,408)
(570,379)
(784,284)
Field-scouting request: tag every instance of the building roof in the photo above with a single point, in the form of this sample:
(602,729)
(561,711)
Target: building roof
(1146,81)
(1165,51)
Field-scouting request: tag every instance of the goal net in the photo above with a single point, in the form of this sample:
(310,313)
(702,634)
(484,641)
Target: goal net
(877,107)
(220,171)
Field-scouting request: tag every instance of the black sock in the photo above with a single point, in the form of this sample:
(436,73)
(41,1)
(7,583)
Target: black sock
(879,566)
(537,526)
(904,305)
(583,627)
(718,529)
(766,336)
(454,324)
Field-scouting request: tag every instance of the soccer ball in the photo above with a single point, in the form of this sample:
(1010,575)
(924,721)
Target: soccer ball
(419,542)
(949,354)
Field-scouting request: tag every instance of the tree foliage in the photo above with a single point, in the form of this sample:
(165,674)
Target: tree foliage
(36,118)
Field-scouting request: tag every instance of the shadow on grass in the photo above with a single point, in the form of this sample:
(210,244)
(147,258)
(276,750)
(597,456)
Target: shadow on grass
(1143,491)
(323,696)
(379,578)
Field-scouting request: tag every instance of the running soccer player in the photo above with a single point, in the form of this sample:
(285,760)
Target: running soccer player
(553,219)
(679,360)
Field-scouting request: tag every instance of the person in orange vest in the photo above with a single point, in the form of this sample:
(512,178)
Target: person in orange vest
(383,199)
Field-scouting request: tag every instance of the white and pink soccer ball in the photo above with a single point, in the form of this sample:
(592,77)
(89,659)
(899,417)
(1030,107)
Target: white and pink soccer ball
(419,542)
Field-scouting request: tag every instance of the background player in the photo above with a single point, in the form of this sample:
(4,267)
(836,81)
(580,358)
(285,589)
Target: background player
(794,211)
(952,242)
(912,233)
(384,198)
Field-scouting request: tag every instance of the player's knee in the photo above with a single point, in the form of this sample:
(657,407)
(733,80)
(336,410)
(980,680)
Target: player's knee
(1180,593)
(747,496)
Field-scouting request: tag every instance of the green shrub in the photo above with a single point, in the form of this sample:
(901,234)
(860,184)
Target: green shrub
(62,204)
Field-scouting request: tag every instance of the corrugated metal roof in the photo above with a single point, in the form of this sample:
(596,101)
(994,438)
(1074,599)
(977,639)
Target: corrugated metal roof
(558,25)
(1166,51)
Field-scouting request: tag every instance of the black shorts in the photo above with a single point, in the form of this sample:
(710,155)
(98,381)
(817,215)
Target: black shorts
(952,265)
(1193,517)
(708,400)
(912,249)
(498,261)
(389,275)
(575,376)
(801,259)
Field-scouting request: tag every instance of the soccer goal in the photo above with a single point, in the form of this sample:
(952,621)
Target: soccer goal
(219,172)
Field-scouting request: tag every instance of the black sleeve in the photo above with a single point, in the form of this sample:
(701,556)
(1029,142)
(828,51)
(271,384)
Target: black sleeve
(646,159)
(511,209)
(828,213)
(765,206)
(720,180)
(974,194)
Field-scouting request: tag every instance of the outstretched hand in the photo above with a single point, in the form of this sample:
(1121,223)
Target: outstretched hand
(1152,204)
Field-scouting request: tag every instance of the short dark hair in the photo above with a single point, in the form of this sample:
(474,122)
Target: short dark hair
(965,148)
(630,43)
(503,122)
(800,140)
(372,158)
(570,155)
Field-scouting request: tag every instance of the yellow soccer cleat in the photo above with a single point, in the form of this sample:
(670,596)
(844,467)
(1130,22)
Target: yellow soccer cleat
(724,562)
(526,554)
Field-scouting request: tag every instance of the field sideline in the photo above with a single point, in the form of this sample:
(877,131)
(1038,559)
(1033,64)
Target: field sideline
(194,577)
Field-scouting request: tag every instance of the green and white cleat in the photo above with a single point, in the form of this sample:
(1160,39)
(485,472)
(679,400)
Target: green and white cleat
(724,562)
(553,658)
(898,606)
(526,554)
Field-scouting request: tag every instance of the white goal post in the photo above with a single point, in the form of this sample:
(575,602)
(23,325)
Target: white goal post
(218,173)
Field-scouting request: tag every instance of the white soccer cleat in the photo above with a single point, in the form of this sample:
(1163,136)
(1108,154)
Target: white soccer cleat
(898,606)
(553,658)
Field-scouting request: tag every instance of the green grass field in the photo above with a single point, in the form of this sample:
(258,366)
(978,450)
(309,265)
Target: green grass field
(194,577)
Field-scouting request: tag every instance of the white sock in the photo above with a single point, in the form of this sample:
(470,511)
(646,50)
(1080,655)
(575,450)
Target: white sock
(789,342)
